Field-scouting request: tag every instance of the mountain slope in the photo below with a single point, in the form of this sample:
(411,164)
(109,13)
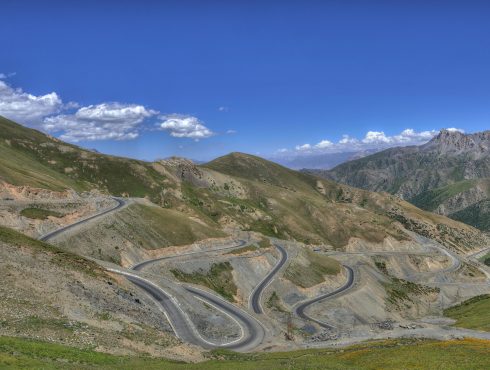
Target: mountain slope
(297,204)
(30,157)
(237,191)
(53,294)
(447,175)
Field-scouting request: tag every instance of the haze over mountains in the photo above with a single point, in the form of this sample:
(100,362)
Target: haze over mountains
(320,161)
(448,175)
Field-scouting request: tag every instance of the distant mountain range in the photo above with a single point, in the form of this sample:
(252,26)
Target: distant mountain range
(449,175)
(323,161)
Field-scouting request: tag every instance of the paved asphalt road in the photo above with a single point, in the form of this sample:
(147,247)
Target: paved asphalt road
(257,293)
(175,315)
(141,265)
(253,333)
(180,324)
(300,310)
(52,234)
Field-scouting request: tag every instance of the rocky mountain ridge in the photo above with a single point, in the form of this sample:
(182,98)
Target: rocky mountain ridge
(439,176)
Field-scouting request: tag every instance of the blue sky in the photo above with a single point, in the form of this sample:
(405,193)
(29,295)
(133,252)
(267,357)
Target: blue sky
(150,79)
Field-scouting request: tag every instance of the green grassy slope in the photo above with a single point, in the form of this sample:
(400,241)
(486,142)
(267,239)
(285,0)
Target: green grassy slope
(472,314)
(140,225)
(20,167)
(251,167)
(39,213)
(297,205)
(219,278)
(58,256)
(431,199)
(477,215)
(310,268)
(28,157)
(413,354)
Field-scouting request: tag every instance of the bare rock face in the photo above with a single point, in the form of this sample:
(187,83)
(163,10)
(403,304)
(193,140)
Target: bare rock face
(185,170)
(446,175)
(477,144)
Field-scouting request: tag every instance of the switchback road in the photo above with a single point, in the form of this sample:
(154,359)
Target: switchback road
(300,310)
(257,292)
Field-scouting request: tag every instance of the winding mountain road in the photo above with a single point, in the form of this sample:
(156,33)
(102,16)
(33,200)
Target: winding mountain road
(257,292)
(300,310)
(141,265)
(52,234)
(252,331)
(184,328)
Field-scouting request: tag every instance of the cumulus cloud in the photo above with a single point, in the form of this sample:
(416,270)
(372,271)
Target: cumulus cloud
(375,137)
(185,127)
(20,106)
(377,140)
(303,147)
(106,121)
(324,144)
(453,129)
(346,139)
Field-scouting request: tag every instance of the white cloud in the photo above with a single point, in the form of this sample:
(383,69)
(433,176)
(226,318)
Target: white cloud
(323,144)
(407,136)
(453,129)
(372,140)
(303,147)
(20,106)
(185,126)
(223,109)
(231,132)
(346,139)
(106,121)
(375,137)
